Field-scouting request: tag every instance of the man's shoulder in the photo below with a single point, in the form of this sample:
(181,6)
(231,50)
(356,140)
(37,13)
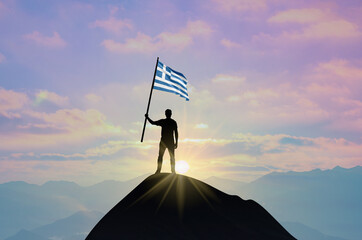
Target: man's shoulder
(173,122)
(170,121)
(160,122)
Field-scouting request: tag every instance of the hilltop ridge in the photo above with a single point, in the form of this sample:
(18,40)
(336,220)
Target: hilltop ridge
(171,206)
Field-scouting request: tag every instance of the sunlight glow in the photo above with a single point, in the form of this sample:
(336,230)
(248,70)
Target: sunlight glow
(182,167)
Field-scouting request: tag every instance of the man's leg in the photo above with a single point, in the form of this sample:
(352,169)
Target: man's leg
(171,150)
(161,151)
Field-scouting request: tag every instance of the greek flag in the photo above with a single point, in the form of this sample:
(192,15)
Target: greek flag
(169,80)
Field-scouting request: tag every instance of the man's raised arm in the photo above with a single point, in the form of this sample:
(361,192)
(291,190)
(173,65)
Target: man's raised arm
(149,119)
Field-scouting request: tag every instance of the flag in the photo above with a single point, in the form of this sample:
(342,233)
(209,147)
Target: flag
(169,80)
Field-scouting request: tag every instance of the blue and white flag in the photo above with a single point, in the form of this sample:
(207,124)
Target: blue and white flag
(169,80)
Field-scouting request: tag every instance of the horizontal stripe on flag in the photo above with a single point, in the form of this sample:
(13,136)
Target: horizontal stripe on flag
(169,80)
(179,74)
(179,78)
(165,89)
(160,81)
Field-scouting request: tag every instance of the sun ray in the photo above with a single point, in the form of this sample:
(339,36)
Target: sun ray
(165,194)
(151,190)
(181,198)
(201,193)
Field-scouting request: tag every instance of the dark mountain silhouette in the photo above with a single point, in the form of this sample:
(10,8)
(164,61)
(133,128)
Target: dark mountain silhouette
(169,206)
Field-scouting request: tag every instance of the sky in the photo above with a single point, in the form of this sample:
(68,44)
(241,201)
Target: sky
(274,86)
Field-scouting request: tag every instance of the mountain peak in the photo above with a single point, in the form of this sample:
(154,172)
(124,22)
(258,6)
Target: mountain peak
(171,206)
(338,168)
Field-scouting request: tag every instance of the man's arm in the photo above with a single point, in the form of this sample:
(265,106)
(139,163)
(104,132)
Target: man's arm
(149,119)
(158,123)
(176,136)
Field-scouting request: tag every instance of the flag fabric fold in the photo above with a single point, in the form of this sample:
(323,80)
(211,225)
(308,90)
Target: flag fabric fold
(169,80)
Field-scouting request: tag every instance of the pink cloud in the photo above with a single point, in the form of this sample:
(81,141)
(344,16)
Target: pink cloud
(330,29)
(341,68)
(66,127)
(229,44)
(112,24)
(11,102)
(73,120)
(54,41)
(304,15)
(350,102)
(239,5)
(317,25)
(93,98)
(326,89)
(143,43)
(45,95)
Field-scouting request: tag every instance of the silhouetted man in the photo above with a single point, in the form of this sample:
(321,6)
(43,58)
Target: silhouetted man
(169,127)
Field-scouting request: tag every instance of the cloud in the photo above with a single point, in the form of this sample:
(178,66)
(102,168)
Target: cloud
(305,153)
(54,41)
(304,15)
(2,58)
(239,5)
(11,102)
(341,29)
(316,25)
(93,98)
(143,43)
(44,95)
(335,84)
(74,120)
(341,68)
(60,129)
(229,44)
(107,149)
(112,24)
(257,154)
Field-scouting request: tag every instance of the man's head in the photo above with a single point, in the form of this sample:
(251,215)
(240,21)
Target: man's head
(168,113)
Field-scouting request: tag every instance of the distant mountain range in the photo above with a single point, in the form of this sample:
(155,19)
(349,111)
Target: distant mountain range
(303,232)
(27,206)
(74,227)
(328,202)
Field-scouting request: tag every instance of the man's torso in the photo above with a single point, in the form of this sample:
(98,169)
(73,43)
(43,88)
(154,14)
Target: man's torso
(168,127)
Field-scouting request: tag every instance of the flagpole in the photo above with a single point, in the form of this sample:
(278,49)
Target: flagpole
(149,101)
